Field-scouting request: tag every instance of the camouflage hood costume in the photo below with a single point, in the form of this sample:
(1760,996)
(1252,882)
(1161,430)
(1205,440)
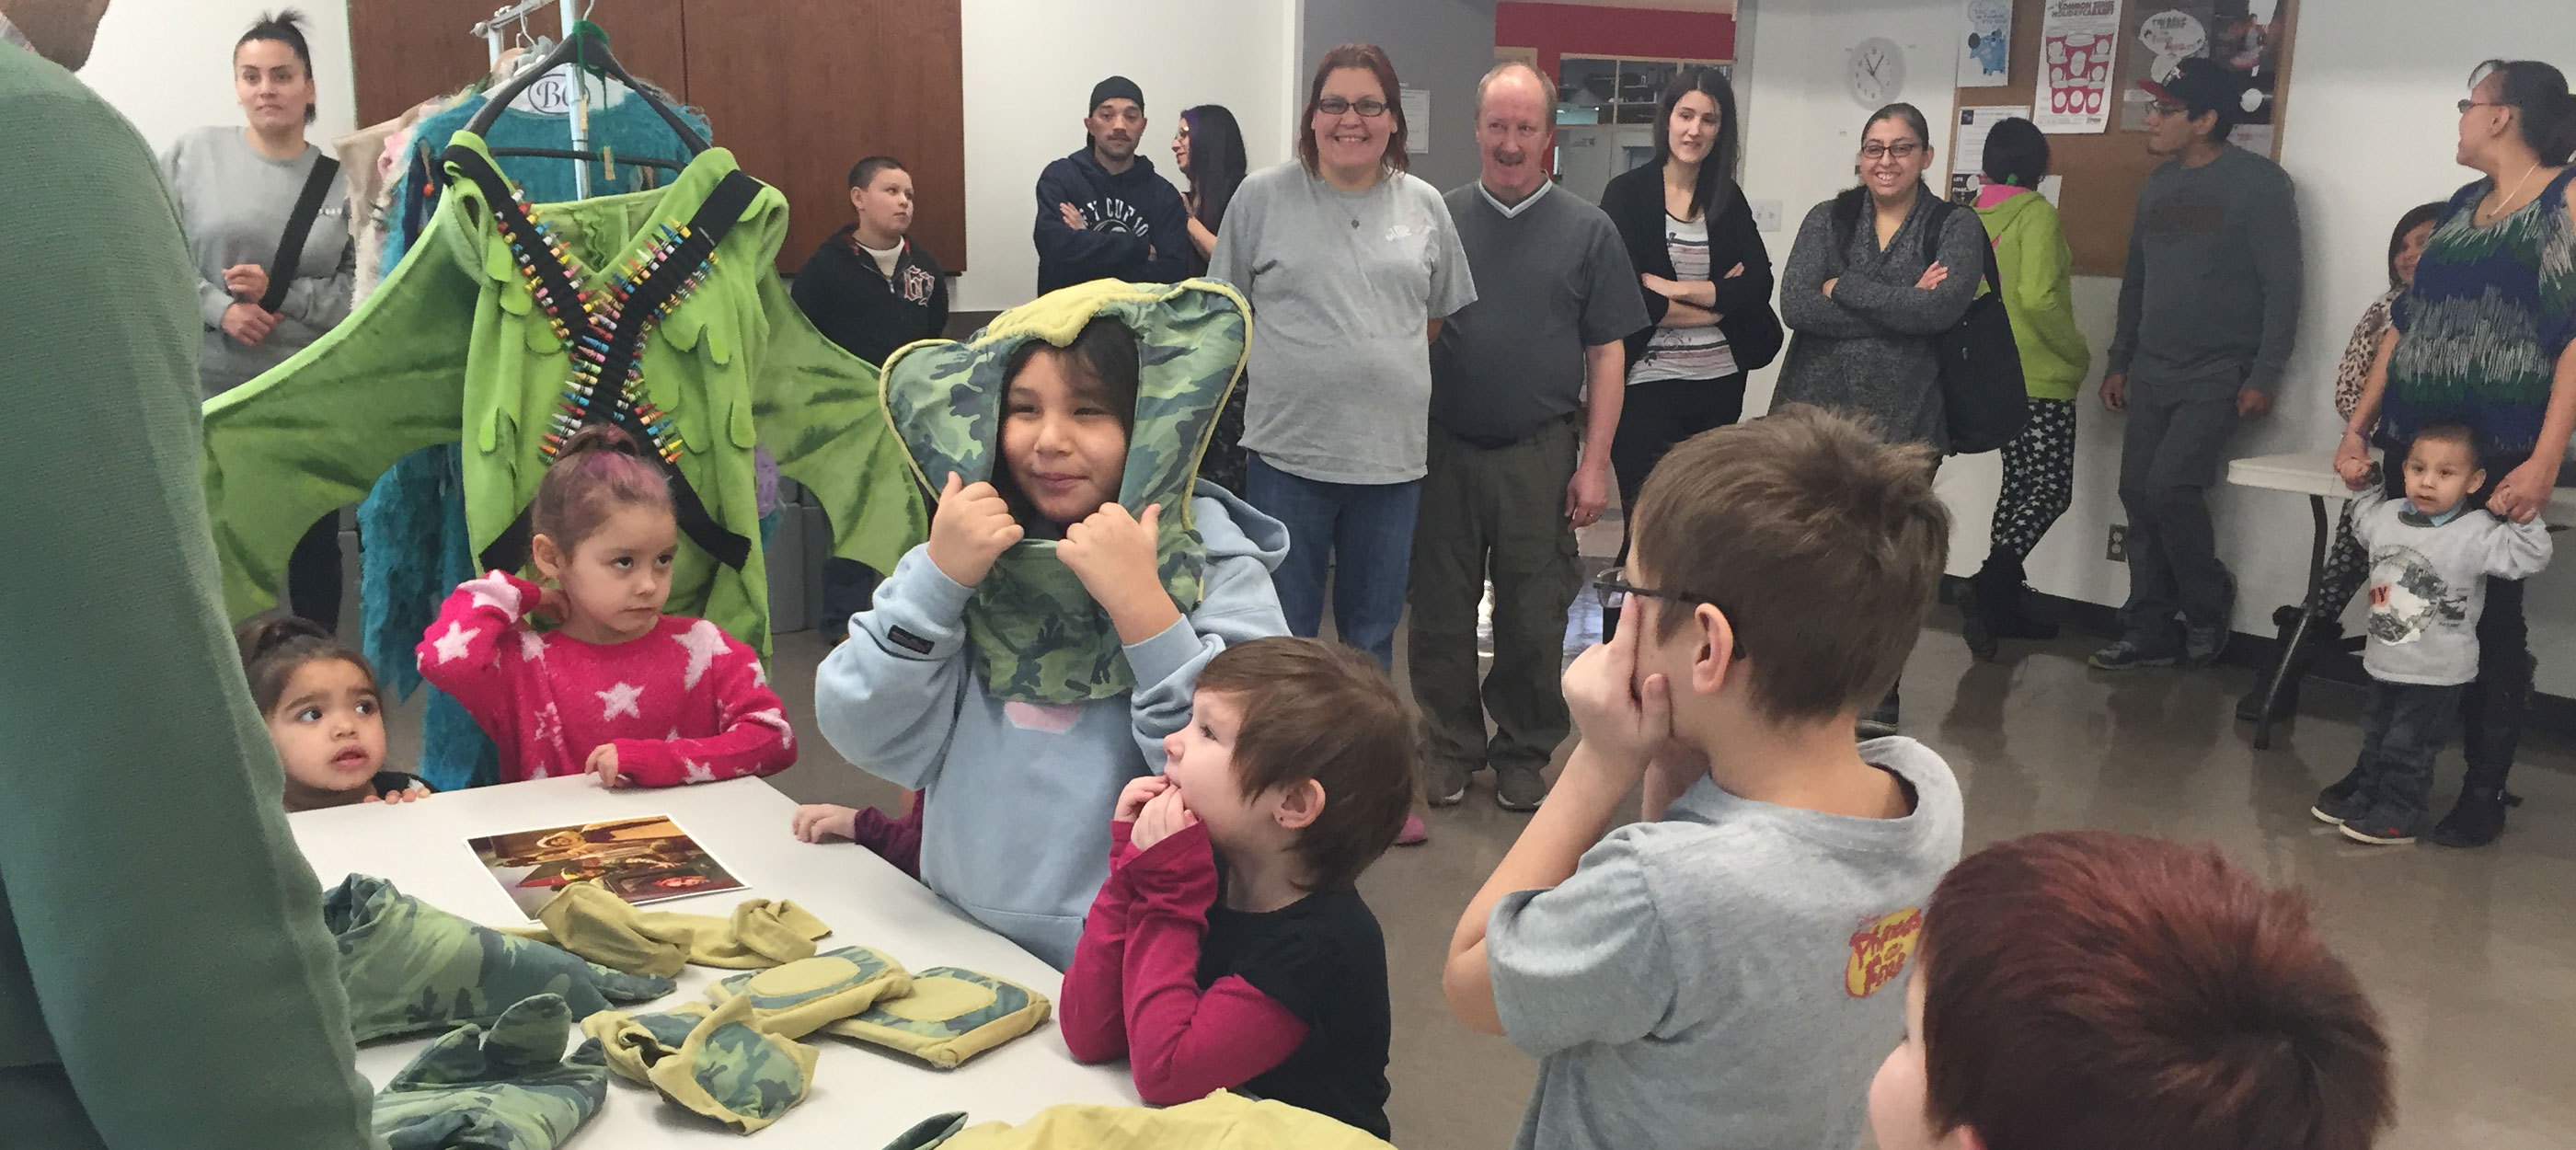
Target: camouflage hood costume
(1035,632)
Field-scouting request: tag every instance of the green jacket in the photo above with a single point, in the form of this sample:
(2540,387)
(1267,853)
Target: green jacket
(165,979)
(2030,249)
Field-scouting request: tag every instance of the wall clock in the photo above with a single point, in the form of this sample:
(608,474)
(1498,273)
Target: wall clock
(1877,71)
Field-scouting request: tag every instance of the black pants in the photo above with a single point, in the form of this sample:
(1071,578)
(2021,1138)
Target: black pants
(313,574)
(1654,417)
(2170,454)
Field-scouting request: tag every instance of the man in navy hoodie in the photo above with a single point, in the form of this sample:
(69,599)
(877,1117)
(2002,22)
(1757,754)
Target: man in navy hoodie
(1103,213)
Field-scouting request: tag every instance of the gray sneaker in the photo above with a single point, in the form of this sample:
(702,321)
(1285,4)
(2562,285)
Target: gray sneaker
(1519,788)
(2131,653)
(2202,646)
(1448,783)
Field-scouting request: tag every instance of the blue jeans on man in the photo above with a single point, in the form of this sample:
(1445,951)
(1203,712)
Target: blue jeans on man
(1359,535)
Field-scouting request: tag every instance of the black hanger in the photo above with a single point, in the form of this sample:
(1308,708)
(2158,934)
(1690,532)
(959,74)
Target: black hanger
(596,58)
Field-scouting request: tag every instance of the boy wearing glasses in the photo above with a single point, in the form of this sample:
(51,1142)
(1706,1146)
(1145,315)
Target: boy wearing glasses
(1726,973)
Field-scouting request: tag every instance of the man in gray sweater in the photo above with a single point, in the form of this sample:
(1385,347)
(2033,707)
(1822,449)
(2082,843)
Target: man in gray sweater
(2208,308)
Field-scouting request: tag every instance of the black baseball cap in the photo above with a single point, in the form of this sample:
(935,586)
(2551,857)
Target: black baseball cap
(1116,88)
(2200,85)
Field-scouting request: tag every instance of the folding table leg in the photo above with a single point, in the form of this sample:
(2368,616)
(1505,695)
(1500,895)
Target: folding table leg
(2288,656)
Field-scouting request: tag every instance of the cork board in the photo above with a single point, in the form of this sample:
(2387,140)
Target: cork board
(2103,173)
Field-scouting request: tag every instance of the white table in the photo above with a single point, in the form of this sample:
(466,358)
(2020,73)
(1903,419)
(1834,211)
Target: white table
(2312,473)
(862,1097)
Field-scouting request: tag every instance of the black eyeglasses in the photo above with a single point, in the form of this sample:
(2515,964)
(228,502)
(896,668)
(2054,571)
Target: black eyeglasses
(1335,105)
(1902,149)
(1612,586)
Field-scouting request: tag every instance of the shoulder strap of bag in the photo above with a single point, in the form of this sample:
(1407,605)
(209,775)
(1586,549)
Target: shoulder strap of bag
(290,244)
(1939,223)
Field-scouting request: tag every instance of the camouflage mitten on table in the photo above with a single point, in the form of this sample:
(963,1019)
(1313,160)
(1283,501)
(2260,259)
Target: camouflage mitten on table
(409,966)
(1220,1121)
(587,920)
(510,1088)
(736,1061)
(949,1016)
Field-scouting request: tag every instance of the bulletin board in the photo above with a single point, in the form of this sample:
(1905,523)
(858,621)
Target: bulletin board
(2103,173)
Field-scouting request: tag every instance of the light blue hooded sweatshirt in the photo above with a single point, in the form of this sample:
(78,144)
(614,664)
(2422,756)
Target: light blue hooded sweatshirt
(1018,796)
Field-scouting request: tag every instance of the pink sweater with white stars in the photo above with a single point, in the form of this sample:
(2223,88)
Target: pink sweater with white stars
(683,704)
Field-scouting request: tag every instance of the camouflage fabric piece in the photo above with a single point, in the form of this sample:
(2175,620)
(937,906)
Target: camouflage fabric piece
(712,1061)
(1035,632)
(510,1088)
(1220,1121)
(409,966)
(794,1000)
(587,920)
(951,1015)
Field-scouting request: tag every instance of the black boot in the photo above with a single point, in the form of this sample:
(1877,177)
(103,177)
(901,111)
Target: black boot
(2007,602)
(2323,635)
(2476,819)
(1975,626)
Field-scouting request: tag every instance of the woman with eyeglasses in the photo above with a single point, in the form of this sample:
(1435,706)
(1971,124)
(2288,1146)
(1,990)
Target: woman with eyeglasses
(1866,305)
(2486,337)
(1350,265)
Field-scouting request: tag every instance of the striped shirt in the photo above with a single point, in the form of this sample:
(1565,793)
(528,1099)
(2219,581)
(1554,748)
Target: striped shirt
(1685,352)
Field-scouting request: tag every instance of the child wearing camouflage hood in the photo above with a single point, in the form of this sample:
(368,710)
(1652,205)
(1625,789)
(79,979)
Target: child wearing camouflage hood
(1026,663)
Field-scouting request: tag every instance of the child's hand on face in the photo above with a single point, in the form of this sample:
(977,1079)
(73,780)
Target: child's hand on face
(1131,801)
(1113,553)
(970,529)
(603,763)
(1162,817)
(815,822)
(1623,724)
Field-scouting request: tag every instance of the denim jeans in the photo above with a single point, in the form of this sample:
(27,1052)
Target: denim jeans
(2402,732)
(1360,533)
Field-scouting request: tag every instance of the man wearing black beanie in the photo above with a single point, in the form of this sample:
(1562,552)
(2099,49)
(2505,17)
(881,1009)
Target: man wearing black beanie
(1103,213)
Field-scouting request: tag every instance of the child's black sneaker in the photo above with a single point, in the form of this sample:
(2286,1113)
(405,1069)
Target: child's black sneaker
(2342,802)
(2379,827)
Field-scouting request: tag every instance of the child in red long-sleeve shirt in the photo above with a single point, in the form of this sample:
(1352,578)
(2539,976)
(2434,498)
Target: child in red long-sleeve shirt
(617,689)
(1229,949)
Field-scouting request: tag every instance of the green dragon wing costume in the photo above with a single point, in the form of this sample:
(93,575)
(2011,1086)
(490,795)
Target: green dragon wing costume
(1035,632)
(507,326)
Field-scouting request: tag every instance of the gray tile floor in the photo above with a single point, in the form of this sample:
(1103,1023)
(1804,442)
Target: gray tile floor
(2471,955)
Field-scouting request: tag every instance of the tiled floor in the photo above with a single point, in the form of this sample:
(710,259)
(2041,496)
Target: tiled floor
(2471,955)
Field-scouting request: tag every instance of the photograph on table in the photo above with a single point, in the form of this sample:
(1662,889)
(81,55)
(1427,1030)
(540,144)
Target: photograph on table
(639,860)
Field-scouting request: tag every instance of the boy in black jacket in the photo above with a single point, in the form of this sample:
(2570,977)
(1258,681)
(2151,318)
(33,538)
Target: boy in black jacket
(1103,213)
(868,288)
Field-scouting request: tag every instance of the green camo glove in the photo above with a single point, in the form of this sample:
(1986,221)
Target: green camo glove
(587,920)
(950,1015)
(794,1000)
(713,1061)
(409,966)
(510,1088)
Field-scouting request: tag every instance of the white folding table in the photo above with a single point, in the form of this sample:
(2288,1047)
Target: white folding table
(862,1097)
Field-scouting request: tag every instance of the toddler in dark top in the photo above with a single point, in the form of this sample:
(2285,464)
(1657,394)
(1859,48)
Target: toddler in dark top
(1229,949)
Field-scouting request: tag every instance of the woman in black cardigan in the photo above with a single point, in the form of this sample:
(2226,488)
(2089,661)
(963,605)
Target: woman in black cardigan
(1705,275)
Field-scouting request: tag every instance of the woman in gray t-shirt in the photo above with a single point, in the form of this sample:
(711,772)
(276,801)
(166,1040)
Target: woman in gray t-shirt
(1349,263)
(235,188)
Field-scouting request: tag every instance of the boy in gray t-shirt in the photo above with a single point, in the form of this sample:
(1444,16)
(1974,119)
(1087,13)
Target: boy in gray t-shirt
(1727,973)
(2431,554)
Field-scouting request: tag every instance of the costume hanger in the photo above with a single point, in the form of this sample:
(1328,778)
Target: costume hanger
(585,45)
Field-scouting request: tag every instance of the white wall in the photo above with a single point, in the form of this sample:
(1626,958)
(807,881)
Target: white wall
(167,64)
(2370,133)
(1030,66)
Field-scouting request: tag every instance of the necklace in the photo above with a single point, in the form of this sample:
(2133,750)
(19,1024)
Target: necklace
(2484,217)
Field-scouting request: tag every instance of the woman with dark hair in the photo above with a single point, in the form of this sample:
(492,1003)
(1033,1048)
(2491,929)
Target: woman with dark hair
(2347,564)
(1867,306)
(2486,337)
(1208,150)
(2039,464)
(1705,274)
(237,189)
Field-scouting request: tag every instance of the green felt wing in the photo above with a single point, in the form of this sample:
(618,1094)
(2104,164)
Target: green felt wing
(822,415)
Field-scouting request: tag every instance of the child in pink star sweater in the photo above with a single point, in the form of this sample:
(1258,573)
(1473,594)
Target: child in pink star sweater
(618,689)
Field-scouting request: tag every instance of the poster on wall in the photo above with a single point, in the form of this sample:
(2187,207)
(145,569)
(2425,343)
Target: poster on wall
(2244,35)
(2078,41)
(1968,147)
(1987,60)
(1417,119)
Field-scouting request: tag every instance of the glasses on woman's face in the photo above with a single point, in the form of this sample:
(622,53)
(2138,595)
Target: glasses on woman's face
(1902,149)
(2465,105)
(1370,107)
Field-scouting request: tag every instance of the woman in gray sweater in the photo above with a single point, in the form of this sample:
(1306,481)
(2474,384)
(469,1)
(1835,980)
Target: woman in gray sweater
(235,188)
(1864,304)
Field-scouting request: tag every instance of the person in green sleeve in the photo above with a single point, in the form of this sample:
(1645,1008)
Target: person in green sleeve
(144,1001)
(2039,465)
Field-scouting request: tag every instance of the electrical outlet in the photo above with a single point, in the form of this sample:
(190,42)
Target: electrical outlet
(2118,550)
(1766,215)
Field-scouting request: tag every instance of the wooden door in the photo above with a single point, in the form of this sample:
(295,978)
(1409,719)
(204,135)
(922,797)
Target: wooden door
(802,89)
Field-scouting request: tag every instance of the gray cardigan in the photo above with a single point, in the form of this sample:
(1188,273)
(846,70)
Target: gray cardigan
(1867,350)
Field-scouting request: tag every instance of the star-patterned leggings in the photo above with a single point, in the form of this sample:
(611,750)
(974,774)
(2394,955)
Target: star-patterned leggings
(2039,478)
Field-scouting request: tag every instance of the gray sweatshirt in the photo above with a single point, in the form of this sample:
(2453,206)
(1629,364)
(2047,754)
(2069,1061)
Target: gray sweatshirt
(2428,584)
(1869,349)
(2210,301)
(233,203)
